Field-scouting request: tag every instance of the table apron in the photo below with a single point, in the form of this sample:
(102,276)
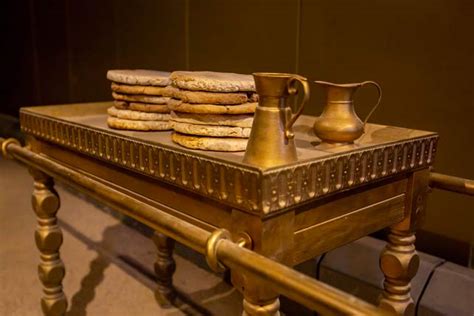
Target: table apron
(322,237)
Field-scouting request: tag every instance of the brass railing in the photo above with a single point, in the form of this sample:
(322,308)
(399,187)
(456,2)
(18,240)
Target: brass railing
(219,250)
(451,183)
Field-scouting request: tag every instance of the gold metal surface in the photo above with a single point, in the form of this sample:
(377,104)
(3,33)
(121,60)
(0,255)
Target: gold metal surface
(244,240)
(293,284)
(164,266)
(346,217)
(181,231)
(265,203)
(451,183)
(211,248)
(48,238)
(339,122)
(399,260)
(7,142)
(271,142)
(381,152)
(399,263)
(270,308)
(305,290)
(347,227)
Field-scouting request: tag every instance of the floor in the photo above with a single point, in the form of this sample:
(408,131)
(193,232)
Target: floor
(104,274)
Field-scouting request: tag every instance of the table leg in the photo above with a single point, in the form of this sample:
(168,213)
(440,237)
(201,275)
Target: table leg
(48,238)
(273,238)
(261,308)
(259,298)
(165,266)
(399,261)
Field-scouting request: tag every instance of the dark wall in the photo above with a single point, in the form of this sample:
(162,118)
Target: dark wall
(421,52)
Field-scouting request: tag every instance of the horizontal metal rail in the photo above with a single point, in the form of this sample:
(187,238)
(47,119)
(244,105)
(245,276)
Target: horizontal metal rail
(296,286)
(451,183)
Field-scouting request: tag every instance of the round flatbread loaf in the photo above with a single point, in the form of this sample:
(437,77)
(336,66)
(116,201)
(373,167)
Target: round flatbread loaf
(140,77)
(170,91)
(241,120)
(118,123)
(177,106)
(147,90)
(210,143)
(253,97)
(202,97)
(137,115)
(211,130)
(121,105)
(212,81)
(140,98)
(143,107)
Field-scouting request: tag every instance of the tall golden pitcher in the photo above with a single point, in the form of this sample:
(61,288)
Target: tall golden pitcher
(271,141)
(339,122)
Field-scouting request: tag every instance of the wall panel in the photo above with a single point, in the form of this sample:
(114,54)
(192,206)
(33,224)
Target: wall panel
(150,34)
(19,85)
(91,48)
(418,51)
(51,42)
(243,35)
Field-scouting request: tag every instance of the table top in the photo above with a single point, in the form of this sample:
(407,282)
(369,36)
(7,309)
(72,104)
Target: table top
(321,169)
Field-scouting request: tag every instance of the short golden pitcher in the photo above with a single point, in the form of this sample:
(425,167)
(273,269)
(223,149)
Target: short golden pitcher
(339,123)
(271,142)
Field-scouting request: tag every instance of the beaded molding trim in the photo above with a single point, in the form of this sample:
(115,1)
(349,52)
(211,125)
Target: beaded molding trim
(240,186)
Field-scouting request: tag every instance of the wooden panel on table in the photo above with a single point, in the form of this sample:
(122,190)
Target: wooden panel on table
(319,238)
(342,203)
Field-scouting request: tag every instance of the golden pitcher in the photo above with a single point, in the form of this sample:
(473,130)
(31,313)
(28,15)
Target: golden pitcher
(339,123)
(271,141)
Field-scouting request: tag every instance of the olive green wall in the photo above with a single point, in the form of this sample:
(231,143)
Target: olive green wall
(421,52)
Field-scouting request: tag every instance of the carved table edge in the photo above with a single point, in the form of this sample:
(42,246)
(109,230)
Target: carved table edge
(249,189)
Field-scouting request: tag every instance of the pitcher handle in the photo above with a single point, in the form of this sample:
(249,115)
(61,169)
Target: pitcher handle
(379,89)
(292,89)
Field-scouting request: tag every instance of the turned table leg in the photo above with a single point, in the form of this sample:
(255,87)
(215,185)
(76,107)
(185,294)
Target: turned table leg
(261,308)
(259,298)
(399,261)
(165,266)
(48,238)
(273,238)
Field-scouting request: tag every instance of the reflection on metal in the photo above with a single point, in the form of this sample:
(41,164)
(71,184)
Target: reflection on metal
(212,245)
(5,144)
(339,122)
(451,183)
(290,213)
(164,266)
(48,238)
(284,280)
(381,152)
(271,141)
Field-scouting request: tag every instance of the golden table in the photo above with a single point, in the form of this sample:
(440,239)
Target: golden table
(331,196)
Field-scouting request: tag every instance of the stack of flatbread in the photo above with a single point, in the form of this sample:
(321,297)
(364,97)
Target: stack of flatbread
(212,110)
(140,100)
